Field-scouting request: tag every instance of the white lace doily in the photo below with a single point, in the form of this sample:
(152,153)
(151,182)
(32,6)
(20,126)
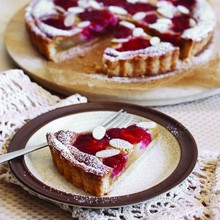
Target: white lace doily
(198,197)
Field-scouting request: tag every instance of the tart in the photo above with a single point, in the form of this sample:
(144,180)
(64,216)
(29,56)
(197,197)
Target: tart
(94,163)
(147,37)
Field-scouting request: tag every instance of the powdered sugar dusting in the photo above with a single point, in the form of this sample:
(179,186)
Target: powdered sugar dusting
(52,31)
(160,49)
(206,21)
(43,8)
(61,141)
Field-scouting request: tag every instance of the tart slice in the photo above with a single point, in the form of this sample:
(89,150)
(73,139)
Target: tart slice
(135,53)
(95,163)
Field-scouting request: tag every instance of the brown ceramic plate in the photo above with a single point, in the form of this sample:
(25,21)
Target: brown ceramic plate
(171,159)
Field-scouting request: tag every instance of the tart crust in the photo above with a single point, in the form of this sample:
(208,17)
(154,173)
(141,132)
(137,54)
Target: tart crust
(152,60)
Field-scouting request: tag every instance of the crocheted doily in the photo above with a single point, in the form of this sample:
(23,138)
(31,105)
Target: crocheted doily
(198,197)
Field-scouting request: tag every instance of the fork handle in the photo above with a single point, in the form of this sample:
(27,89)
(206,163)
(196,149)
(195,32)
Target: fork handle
(18,153)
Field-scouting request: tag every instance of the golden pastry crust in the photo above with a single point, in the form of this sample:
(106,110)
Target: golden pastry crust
(89,182)
(151,61)
(83,170)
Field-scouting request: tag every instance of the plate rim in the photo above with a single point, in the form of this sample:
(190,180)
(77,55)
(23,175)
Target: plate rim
(188,157)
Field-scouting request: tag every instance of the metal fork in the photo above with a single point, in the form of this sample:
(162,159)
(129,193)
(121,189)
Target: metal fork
(119,119)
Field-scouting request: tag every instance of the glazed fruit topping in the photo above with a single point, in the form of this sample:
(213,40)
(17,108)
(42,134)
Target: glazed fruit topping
(138,7)
(87,144)
(150,18)
(65,4)
(180,23)
(117,162)
(101,21)
(136,43)
(132,134)
(123,32)
(56,21)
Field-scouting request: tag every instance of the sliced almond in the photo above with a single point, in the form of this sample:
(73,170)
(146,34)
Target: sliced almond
(119,40)
(133,1)
(166,9)
(166,21)
(107,153)
(166,12)
(147,124)
(83,3)
(94,4)
(139,16)
(183,9)
(127,24)
(99,132)
(83,24)
(138,32)
(163,4)
(76,10)
(154,41)
(120,144)
(192,22)
(118,10)
(159,27)
(69,20)
(59,9)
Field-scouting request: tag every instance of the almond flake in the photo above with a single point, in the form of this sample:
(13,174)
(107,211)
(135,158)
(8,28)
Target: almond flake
(118,10)
(162,4)
(192,22)
(59,9)
(138,32)
(133,1)
(139,16)
(83,3)
(99,132)
(107,153)
(160,27)
(120,144)
(119,40)
(127,24)
(147,124)
(94,4)
(154,41)
(76,10)
(69,20)
(167,12)
(83,24)
(164,21)
(183,9)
